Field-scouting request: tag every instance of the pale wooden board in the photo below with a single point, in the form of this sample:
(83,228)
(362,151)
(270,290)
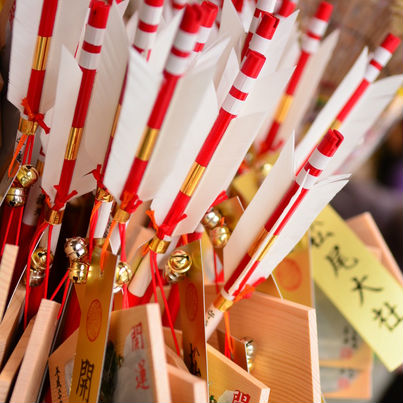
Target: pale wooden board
(148,315)
(286,344)
(10,322)
(185,387)
(12,366)
(26,388)
(6,274)
(57,368)
(226,375)
(366,229)
(174,359)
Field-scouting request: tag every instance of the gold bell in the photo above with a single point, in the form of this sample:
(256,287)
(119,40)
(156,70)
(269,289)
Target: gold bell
(27,175)
(37,270)
(123,275)
(38,259)
(177,265)
(262,171)
(250,349)
(16,197)
(219,236)
(211,219)
(78,272)
(75,248)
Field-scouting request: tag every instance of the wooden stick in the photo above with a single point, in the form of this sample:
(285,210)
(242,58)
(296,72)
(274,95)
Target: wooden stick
(286,345)
(10,322)
(10,370)
(6,274)
(36,356)
(226,375)
(186,387)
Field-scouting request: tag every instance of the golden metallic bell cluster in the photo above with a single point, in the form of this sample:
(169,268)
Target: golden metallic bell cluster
(37,270)
(250,348)
(26,176)
(123,275)
(219,234)
(76,250)
(177,265)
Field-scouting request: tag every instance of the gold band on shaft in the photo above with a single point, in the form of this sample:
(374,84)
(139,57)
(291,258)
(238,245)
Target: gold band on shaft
(41,53)
(121,216)
(147,143)
(54,217)
(115,120)
(103,195)
(222,303)
(192,179)
(335,125)
(283,108)
(73,143)
(158,245)
(27,127)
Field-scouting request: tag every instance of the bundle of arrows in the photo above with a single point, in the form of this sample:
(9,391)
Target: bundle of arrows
(165,204)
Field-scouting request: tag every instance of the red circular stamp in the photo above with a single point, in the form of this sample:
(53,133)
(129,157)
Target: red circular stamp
(94,320)
(191,301)
(289,275)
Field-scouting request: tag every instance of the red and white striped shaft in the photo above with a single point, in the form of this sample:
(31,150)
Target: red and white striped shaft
(303,182)
(176,65)
(379,60)
(260,41)
(149,19)
(310,44)
(178,5)
(262,7)
(230,108)
(210,11)
(88,62)
(316,28)
(287,7)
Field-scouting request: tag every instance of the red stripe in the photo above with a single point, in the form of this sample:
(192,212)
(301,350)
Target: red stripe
(98,14)
(191,18)
(237,272)
(353,100)
(376,64)
(198,47)
(49,8)
(299,70)
(83,97)
(238,94)
(324,11)
(312,35)
(246,278)
(253,64)
(91,48)
(155,3)
(35,88)
(147,27)
(179,53)
(135,176)
(312,170)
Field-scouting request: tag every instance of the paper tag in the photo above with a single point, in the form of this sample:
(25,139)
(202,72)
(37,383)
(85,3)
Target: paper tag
(93,330)
(359,286)
(191,291)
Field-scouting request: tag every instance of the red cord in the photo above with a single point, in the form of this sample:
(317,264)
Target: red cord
(168,314)
(39,231)
(17,236)
(217,288)
(66,288)
(45,291)
(10,217)
(152,274)
(93,224)
(65,277)
(122,233)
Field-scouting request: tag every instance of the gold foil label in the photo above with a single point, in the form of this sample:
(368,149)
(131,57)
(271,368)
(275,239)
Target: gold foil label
(191,291)
(93,330)
(193,178)
(41,53)
(147,143)
(73,143)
